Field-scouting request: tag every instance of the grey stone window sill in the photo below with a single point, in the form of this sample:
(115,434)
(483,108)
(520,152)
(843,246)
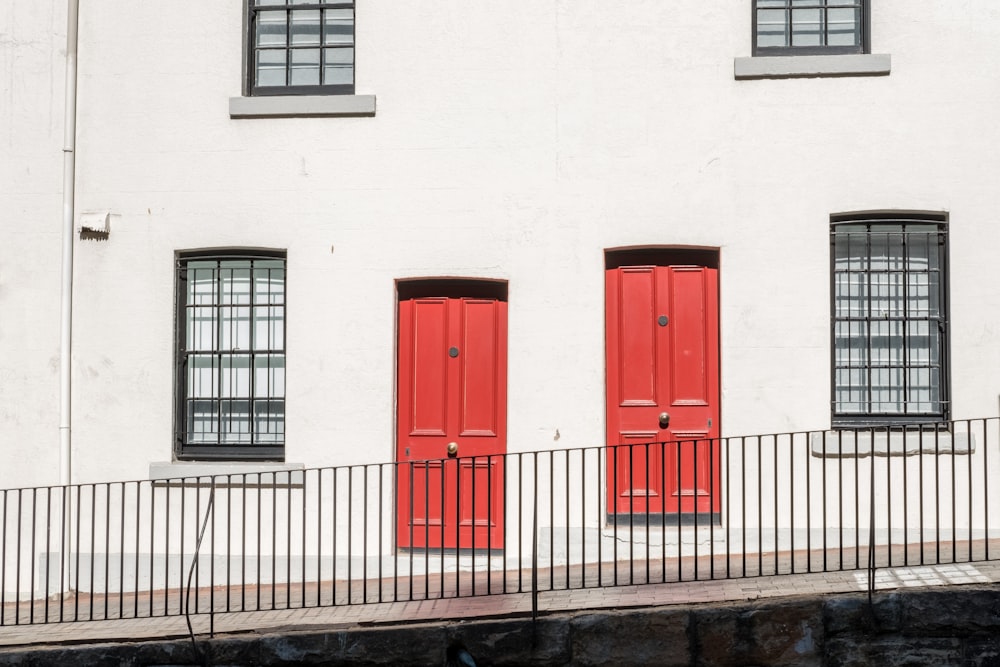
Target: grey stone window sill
(849,444)
(302,106)
(787,67)
(227,473)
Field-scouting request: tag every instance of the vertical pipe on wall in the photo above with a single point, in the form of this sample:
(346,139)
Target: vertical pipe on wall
(66,299)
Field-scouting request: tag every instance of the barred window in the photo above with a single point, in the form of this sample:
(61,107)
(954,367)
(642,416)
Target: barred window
(789,27)
(300,47)
(231,357)
(889,317)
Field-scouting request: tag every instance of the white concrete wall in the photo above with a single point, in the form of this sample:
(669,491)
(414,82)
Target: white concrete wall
(512,140)
(32,68)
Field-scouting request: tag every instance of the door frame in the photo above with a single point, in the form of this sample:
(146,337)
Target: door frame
(666,255)
(451,288)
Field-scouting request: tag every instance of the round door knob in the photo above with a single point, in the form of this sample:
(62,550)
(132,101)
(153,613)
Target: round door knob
(452,449)
(664,419)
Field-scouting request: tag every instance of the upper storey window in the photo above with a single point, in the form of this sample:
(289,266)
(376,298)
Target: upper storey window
(808,27)
(300,47)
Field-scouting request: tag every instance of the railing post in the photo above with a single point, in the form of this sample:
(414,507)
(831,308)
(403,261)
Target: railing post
(871,516)
(209,513)
(534,544)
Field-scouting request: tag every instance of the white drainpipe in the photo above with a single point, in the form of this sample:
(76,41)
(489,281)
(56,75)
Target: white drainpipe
(69,182)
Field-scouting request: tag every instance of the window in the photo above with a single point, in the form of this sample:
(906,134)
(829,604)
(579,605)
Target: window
(300,47)
(794,27)
(889,318)
(231,356)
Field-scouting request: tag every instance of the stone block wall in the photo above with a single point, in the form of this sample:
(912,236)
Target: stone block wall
(956,626)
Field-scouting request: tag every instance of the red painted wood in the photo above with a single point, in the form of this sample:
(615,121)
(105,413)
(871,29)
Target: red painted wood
(653,369)
(442,502)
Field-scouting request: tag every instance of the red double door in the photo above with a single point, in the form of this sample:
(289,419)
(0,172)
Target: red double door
(662,360)
(452,375)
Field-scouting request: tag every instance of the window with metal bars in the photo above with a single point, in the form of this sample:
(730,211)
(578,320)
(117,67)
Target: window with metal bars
(889,320)
(230,356)
(300,47)
(804,27)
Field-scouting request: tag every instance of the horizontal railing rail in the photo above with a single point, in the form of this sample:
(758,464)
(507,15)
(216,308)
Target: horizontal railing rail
(520,522)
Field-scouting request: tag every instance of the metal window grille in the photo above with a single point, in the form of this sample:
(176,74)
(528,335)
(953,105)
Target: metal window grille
(231,357)
(889,320)
(298,47)
(810,26)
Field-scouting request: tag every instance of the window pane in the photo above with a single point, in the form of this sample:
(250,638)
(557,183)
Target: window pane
(201,284)
(269,376)
(234,328)
(852,391)
(918,292)
(922,390)
(201,327)
(305,67)
(268,283)
(201,424)
(338,66)
(339,28)
(843,27)
(269,421)
(235,422)
(924,343)
(270,68)
(851,248)
(271,29)
(235,277)
(203,376)
(771,27)
(269,328)
(235,376)
(851,342)
(305,27)
(807,27)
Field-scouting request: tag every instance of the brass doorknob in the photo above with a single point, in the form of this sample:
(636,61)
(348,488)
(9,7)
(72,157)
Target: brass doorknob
(664,419)
(452,449)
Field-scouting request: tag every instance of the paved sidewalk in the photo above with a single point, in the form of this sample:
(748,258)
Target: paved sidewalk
(518,604)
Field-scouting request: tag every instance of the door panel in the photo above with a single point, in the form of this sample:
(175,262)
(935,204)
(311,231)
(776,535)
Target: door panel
(637,340)
(452,377)
(662,356)
(430,318)
(689,358)
(480,375)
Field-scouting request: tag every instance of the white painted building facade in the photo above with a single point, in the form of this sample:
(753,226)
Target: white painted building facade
(516,143)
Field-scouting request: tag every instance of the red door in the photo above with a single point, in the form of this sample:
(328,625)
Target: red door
(452,377)
(662,357)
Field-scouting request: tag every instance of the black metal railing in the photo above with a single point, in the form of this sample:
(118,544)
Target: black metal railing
(525,522)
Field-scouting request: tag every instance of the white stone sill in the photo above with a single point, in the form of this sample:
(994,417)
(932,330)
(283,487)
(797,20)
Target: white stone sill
(850,444)
(302,106)
(227,473)
(787,67)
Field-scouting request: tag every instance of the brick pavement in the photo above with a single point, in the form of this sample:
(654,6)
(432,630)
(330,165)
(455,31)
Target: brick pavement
(502,605)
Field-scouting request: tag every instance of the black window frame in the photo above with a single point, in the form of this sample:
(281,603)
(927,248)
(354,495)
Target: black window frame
(185,450)
(864,45)
(251,48)
(873,418)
